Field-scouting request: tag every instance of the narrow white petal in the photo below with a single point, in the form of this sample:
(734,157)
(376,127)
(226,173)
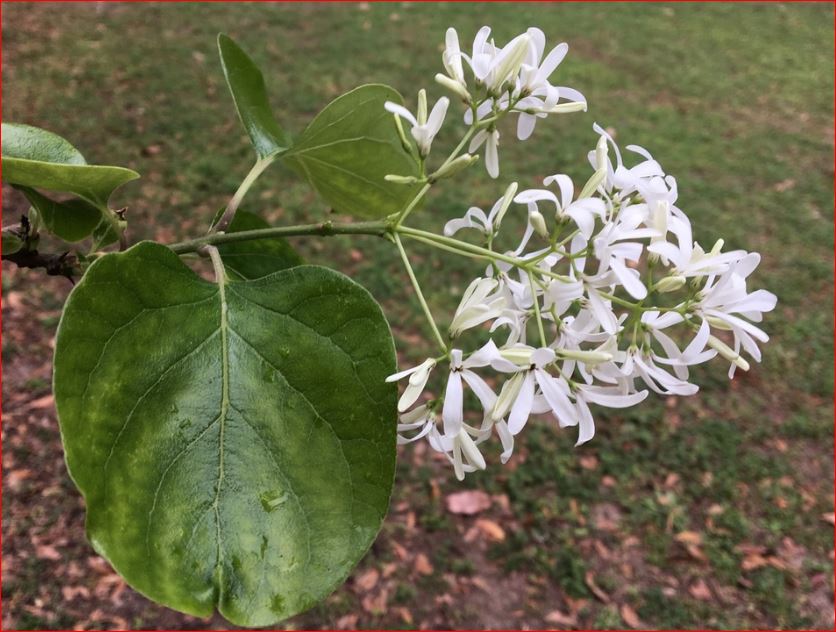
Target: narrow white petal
(521,409)
(452,413)
(401,111)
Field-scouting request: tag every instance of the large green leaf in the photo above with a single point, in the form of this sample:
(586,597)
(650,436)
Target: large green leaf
(33,157)
(256,258)
(348,150)
(71,220)
(246,83)
(235,444)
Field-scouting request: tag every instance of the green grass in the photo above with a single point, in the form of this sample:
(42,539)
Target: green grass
(734,100)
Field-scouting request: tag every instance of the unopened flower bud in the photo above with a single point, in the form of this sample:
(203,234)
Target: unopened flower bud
(718,323)
(566,108)
(510,192)
(451,169)
(421,114)
(601,150)
(727,353)
(538,223)
(593,183)
(670,283)
(587,357)
(521,356)
(507,396)
(470,450)
(510,64)
(400,179)
(453,86)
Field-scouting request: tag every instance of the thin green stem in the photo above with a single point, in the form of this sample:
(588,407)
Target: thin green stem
(537,309)
(417,287)
(229,213)
(464,247)
(323,229)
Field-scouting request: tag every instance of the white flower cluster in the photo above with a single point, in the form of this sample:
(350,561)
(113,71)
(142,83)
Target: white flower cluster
(509,79)
(607,294)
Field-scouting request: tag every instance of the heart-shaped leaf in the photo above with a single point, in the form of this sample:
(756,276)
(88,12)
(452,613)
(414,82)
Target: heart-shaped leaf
(256,258)
(235,443)
(71,220)
(246,83)
(33,157)
(348,150)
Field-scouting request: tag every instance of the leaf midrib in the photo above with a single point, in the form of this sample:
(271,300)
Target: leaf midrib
(224,329)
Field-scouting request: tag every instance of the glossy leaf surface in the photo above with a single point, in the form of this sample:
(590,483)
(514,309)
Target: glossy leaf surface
(33,157)
(246,83)
(349,148)
(71,220)
(235,444)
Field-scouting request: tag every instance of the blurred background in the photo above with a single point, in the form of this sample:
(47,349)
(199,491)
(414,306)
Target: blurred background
(710,511)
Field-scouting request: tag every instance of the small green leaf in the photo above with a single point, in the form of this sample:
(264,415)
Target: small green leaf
(71,220)
(235,444)
(33,157)
(246,83)
(348,150)
(258,257)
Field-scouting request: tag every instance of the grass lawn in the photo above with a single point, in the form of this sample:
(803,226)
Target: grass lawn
(710,511)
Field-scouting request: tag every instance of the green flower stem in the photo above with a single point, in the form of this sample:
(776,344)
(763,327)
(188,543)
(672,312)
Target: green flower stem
(537,310)
(322,229)
(464,247)
(229,213)
(418,293)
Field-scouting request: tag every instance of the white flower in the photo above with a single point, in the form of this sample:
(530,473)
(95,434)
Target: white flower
(694,353)
(688,258)
(609,397)
(725,297)
(615,245)
(453,412)
(475,217)
(421,419)
(480,303)
(491,142)
(452,58)
(461,450)
(517,396)
(418,377)
(424,128)
(493,66)
(583,212)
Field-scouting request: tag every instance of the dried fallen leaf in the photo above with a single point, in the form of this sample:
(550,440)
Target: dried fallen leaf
(405,615)
(422,565)
(699,590)
(376,604)
(400,551)
(468,502)
(588,462)
(71,593)
(753,561)
(347,622)
(688,537)
(47,401)
(492,530)
(558,618)
(367,580)
(829,517)
(47,552)
(695,552)
(589,578)
(630,617)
